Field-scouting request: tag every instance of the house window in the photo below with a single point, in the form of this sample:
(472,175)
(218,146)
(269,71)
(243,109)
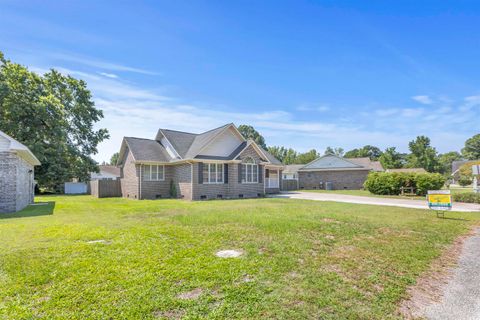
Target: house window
(153,172)
(213,173)
(249,171)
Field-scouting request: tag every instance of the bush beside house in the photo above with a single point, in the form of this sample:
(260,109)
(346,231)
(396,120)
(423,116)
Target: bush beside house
(391,183)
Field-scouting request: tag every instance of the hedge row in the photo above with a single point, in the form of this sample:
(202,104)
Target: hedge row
(390,183)
(469,197)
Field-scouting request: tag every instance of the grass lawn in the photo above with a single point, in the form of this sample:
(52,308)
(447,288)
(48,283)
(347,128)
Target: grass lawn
(366,193)
(363,193)
(302,259)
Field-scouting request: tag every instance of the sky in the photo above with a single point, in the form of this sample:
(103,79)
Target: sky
(305,74)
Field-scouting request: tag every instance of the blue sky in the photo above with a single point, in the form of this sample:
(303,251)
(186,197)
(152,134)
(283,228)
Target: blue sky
(306,74)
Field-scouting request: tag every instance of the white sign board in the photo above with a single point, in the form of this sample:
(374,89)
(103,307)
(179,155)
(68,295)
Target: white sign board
(439,200)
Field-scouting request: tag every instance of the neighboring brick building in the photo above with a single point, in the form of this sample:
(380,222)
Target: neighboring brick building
(215,164)
(16,174)
(336,173)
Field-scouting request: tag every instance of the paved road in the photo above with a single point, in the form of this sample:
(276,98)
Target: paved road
(461,299)
(406,203)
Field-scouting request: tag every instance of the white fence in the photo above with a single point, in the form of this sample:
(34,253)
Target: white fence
(75,188)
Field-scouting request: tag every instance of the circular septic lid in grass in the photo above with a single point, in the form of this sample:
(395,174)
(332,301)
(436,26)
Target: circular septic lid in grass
(229,253)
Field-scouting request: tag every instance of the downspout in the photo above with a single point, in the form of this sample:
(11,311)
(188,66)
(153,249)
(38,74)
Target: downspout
(140,183)
(264,179)
(191,179)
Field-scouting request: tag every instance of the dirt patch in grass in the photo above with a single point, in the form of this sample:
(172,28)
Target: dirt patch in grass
(191,295)
(429,286)
(170,314)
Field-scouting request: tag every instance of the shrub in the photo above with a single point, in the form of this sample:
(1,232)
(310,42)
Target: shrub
(465,181)
(390,183)
(469,197)
(428,181)
(385,183)
(173,189)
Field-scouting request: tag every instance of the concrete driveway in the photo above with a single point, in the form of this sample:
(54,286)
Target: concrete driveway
(406,203)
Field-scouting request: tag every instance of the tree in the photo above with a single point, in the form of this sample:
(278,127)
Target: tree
(445,160)
(422,155)
(391,159)
(53,115)
(472,148)
(286,156)
(249,132)
(334,151)
(309,156)
(369,151)
(114,159)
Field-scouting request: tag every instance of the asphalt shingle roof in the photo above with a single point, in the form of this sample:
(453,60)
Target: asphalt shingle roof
(187,145)
(147,150)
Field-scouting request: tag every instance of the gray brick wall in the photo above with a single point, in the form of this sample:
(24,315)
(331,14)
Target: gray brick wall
(233,189)
(8,182)
(156,189)
(182,176)
(24,184)
(129,178)
(16,183)
(348,179)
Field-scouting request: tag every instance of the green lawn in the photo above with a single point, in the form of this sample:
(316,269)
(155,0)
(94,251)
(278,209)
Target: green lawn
(363,193)
(302,259)
(366,193)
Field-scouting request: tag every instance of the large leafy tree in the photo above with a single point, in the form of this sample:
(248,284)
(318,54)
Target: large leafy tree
(369,151)
(114,159)
(309,156)
(423,155)
(334,151)
(53,115)
(391,159)
(445,161)
(472,148)
(286,156)
(249,132)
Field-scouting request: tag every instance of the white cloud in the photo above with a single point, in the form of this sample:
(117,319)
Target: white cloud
(100,64)
(320,108)
(423,99)
(108,75)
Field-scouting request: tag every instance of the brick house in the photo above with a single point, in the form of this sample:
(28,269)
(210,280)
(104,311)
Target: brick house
(219,163)
(16,174)
(333,172)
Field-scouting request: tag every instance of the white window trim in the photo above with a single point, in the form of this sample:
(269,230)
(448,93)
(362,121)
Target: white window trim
(154,165)
(208,164)
(245,181)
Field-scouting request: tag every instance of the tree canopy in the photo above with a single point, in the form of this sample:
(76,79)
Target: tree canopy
(423,155)
(249,132)
(52,114)
(369,151)
(471,151)
(391,159)
(114,159)
(334,151)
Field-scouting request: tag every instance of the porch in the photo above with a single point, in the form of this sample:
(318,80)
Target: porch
(272,179)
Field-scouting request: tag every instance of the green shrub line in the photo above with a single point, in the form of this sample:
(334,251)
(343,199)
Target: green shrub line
(391,183)
(468,197)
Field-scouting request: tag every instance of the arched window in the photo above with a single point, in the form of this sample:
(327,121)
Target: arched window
(249,171)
